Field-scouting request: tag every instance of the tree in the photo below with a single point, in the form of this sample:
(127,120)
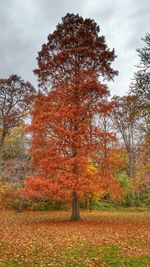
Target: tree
(140,88)
(141,82)
(71,68)
(126,118)
(16,97)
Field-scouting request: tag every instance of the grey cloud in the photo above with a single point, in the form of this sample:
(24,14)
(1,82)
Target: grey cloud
(25,25)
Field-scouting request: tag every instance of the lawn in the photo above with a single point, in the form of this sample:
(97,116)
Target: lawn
(101,238)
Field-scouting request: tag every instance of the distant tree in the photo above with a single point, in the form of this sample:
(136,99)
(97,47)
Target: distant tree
(126,118)
(71,67)
(15,143)
(16,98)
(140,88)
(141,83)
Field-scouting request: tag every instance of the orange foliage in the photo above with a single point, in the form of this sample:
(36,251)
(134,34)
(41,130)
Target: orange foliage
(64,134)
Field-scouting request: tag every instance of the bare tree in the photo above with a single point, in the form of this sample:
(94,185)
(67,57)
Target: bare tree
(127,122)
(140,85)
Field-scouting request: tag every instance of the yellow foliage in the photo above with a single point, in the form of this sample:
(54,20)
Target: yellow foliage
(15,133)
(90,167)
(5,190)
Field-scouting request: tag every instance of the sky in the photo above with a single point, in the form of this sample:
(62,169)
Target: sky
(25,25)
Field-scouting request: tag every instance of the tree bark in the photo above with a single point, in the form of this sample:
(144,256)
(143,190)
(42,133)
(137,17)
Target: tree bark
(75,216)
(21,203)
(90,202)
(131,164)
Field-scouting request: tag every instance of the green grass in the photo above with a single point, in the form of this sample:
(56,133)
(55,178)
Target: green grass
(106,256)
(85,256)
(109,206)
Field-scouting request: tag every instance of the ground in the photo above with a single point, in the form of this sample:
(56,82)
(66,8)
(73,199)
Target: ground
(101,238)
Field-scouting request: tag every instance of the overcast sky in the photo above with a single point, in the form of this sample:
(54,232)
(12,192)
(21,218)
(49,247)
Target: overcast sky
(25,25)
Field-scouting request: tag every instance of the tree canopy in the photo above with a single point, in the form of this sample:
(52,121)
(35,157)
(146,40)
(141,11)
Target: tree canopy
(16,98)
(72,67)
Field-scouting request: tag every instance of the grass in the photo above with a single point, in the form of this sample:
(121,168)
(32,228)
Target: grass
(101,238)
(86,256)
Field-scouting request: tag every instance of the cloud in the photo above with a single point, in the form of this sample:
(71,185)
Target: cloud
(25,25)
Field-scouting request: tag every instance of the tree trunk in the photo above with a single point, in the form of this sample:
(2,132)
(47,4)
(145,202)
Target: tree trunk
(131,165)
(75,216)
(21,203)
(90,202)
